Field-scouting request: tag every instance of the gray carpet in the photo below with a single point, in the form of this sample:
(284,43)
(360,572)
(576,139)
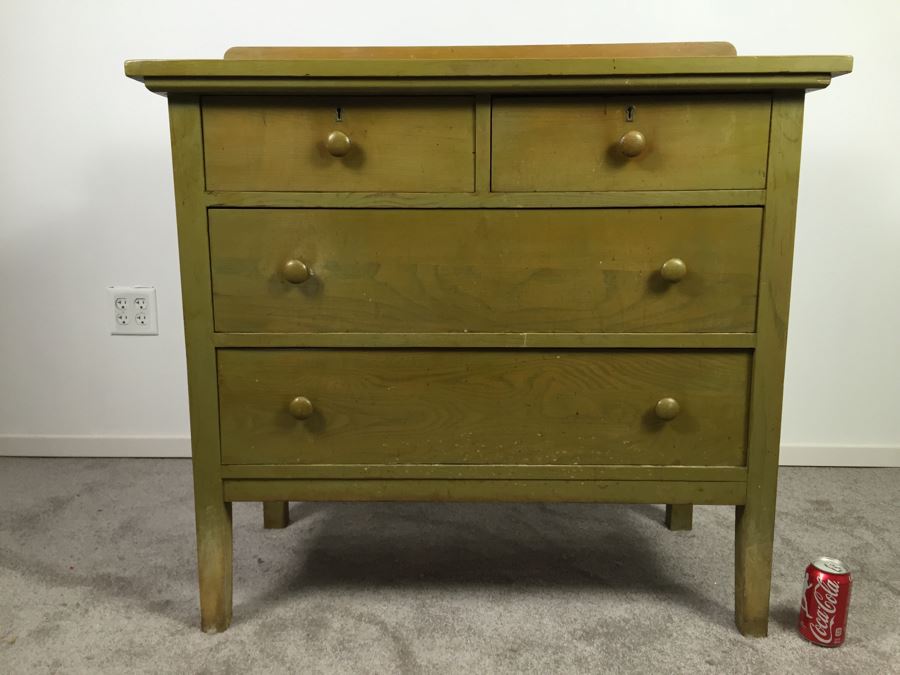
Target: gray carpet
(97,574)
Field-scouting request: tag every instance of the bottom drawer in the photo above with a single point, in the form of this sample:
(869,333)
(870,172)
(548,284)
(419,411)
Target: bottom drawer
(355,406)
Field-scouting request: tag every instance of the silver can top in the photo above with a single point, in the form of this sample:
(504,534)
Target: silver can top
(831,565)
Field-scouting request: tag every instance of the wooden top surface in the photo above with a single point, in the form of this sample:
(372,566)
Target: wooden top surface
(489,52)
(244,66)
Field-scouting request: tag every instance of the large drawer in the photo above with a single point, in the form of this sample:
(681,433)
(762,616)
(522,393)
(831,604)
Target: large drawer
(396,144)
(629,143)
(578,270)
(483,407)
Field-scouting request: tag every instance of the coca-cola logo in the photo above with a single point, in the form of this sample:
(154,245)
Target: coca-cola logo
(825,593)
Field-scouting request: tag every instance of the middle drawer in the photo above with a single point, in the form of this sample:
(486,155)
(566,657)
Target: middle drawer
(536,270)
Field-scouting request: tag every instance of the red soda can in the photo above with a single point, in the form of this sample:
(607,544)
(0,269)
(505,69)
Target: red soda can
(826,598)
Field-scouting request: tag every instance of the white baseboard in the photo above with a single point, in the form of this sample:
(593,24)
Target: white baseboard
(180,446)
(840,455)
(95,446)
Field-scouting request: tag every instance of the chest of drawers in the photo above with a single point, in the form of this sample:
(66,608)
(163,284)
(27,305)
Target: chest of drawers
(522,274)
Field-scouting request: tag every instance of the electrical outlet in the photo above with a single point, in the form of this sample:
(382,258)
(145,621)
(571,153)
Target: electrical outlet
(133,310)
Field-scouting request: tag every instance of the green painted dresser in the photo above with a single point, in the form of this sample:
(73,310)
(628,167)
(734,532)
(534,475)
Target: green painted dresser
(553,273)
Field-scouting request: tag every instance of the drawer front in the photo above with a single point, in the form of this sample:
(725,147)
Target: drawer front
(588,144)
(482,407)
(406,144)
(578,270)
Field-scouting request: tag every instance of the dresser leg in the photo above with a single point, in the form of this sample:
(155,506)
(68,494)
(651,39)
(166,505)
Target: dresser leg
(214,564)
(679,516)
(754,532)
(275,515)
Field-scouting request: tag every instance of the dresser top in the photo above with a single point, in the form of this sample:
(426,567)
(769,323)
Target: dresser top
(707,66)
(635,49)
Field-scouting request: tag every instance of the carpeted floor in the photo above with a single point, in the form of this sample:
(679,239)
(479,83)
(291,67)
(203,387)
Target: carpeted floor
(97,575)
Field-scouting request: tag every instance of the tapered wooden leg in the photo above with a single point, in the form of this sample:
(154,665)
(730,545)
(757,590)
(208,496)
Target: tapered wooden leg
(212,512)
(275,515)
(214,562)
(679,516)
(754,533)
(755,520)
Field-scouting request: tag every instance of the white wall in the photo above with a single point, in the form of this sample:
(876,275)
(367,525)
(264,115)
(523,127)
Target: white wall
(86,198)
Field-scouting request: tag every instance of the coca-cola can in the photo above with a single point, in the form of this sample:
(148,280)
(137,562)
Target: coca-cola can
(826,599)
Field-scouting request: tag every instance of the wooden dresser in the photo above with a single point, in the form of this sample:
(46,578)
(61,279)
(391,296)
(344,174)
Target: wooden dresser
(487,274)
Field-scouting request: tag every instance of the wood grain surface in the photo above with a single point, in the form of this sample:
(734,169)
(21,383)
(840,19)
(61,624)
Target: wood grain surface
(755,522)
(483,407)
(491,340)
(754,71)
(638,473)
(411,144)
(213,513)
(570,143)
(481,199)
(598,491)
(411,271)
(574,51)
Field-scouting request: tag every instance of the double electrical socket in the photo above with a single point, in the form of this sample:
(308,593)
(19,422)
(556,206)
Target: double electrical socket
(133,310)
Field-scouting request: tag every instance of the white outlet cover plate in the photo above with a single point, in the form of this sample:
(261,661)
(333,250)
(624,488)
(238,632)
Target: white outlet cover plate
(132,320)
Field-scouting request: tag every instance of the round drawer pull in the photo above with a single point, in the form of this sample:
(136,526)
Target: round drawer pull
(667,408)
(673,270)
(632,143)
(301,408)
(338,143)
(295,271)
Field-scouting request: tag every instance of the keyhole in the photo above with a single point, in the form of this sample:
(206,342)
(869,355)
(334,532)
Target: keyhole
(338,114)
(629,113)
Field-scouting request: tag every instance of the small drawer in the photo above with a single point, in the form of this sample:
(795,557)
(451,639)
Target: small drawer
(341,144)
(535,270)
(594,407)
(634,143)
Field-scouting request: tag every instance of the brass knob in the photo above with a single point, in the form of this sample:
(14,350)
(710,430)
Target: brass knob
(667,408)
(673,270)
(338,143)
(301,408)
(295,271)
(632,143)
